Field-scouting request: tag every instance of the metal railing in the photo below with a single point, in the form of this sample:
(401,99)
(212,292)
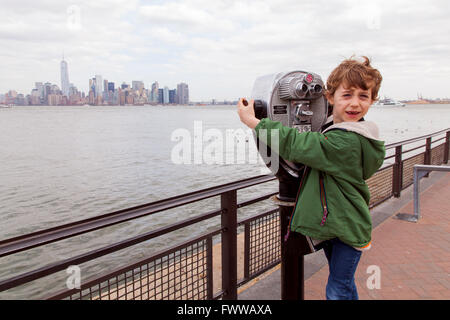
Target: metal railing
(188,270)
(420,171)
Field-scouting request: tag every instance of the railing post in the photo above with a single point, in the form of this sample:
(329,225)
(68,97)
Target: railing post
(447,146)
(427,158)
(292,259)
(229,245)
(397,177)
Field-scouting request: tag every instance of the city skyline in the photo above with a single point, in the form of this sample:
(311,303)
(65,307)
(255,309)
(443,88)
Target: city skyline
(221,47)
(103,92)
(100,92)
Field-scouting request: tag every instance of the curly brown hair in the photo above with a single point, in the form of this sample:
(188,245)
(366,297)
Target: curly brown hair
(354,73)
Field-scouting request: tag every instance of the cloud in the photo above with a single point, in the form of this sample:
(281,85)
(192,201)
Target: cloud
(221,46)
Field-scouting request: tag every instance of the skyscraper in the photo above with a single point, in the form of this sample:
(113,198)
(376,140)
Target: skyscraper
(155,91)
(172,96)
(64,78)
(166,95)
(98,85)
(183,93)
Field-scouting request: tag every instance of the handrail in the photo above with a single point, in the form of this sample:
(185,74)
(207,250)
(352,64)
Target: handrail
(396,144)
(420,171)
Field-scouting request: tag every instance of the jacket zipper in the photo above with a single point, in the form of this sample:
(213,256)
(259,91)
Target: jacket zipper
(323,199)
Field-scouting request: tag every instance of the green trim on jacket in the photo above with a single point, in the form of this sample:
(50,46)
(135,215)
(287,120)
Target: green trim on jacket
(346,160)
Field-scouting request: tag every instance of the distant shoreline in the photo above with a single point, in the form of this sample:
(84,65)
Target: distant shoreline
(427,102)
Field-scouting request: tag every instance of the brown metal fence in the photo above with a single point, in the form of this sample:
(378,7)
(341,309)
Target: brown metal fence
(205,267)
(183,272)
(380,185)
(262,243)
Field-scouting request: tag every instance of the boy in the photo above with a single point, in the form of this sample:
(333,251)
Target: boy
(333,204)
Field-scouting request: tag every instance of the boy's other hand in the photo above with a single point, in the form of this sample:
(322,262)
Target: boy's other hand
(246,113)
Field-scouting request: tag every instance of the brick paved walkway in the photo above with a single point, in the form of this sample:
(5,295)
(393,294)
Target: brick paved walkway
(413,258)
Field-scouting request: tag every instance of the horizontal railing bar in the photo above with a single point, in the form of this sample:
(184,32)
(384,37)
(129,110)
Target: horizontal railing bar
(46,236)
(411,157)
(392,156)
(58,266)
(437,140)
(155,256)
(396,144)
(424,167)
(258,216)
(386,167)
(255,200)
(14,248)
(409,150)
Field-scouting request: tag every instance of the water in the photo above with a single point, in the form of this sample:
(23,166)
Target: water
(64,164)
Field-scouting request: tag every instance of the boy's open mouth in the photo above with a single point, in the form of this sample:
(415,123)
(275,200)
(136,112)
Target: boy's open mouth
(353,113)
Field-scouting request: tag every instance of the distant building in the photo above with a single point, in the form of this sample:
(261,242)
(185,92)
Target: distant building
(121,97)
(182,93)
(105,88)
(98,84)
(65,85)
(172,96)
(154,93)
(161,96)
(166,95)
(54,99)
(129,99)
(40,89)
(137,86)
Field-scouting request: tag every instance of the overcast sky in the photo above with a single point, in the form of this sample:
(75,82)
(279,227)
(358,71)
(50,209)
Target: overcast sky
(220,47)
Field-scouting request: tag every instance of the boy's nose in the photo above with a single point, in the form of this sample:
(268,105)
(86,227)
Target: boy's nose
(354,102)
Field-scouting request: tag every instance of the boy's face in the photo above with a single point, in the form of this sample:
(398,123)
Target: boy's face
(350,104)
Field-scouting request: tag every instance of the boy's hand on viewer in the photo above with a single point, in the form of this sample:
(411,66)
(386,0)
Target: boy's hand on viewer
(246,113)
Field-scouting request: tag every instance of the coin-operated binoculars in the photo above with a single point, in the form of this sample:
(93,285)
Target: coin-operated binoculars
(296,100)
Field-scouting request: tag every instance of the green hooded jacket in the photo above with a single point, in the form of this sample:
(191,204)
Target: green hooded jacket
(344,155)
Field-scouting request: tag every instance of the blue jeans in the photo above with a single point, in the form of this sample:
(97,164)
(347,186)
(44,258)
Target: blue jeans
(342,261)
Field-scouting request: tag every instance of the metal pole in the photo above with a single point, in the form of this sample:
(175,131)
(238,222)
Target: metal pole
(229,245)
(427,158)
(447,146)
(292,260)
(419,171)
(416,194)
(397,173)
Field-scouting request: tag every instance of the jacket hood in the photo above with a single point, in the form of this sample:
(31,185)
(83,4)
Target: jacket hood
(364,128)
(372,147)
